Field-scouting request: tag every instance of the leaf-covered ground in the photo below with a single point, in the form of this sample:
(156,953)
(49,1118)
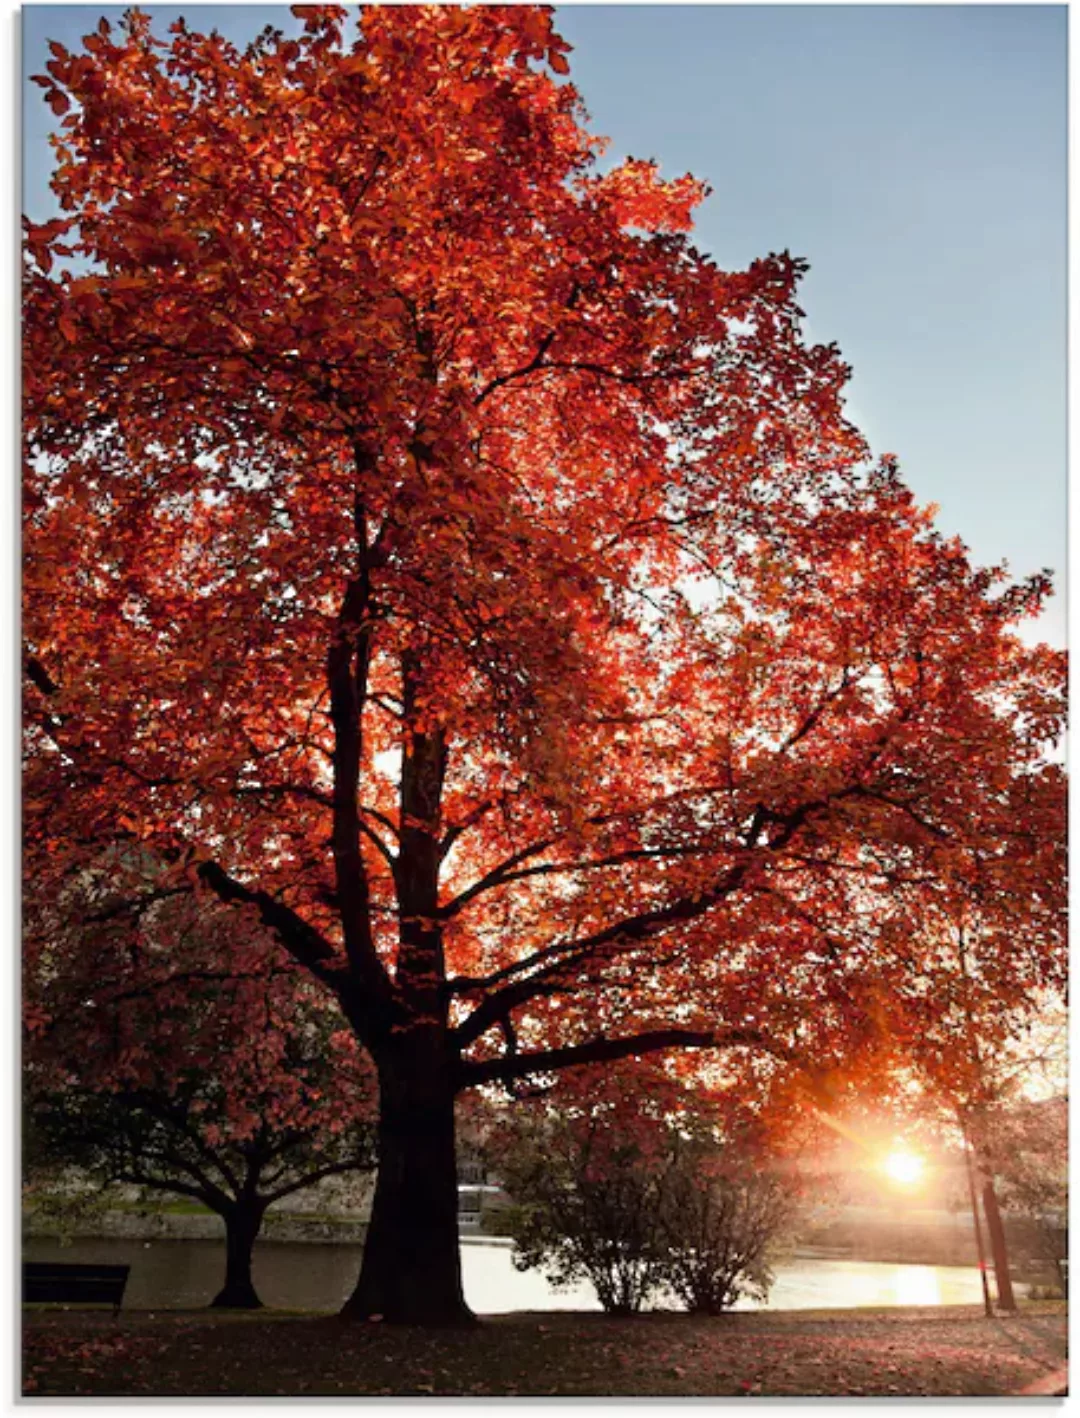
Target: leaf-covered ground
(924,1352)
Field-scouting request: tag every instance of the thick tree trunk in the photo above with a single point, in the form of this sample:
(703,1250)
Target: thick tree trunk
(1006,1299)
(242,1224)
(411,1272)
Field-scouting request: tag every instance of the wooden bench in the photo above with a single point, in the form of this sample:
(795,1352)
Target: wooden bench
(56,1283)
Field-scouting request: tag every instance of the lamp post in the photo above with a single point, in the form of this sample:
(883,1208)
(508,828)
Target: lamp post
(969,1167)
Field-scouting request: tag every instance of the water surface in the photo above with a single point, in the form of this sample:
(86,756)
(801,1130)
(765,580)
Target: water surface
(187,1274)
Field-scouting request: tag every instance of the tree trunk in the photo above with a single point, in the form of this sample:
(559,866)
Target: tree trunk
(242,1224)
(411,1272)
(1006,1299)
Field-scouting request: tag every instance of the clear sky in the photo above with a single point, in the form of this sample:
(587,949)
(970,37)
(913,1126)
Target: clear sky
(914,155)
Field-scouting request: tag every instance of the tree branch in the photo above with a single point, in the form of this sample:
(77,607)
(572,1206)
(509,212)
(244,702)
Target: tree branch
(537,361)
(360,1163)
(346,672)
(306,945)
(631,931)
(634,854)
(505,1070)
(810,723)
(636,928)
(498,874)
(212,1197)
(174,1116)
(495,877)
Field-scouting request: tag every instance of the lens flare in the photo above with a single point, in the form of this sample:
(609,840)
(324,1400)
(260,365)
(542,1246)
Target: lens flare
(903,1166)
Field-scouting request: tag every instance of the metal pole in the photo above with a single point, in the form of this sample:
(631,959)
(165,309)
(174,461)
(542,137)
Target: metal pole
(976,1059)
(994,1225)
(987,1304)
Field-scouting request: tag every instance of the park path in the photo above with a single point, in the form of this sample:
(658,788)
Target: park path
(1052,1385)
(1038,1338)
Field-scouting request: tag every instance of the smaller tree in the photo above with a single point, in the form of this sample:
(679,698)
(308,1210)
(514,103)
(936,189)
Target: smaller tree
(983,1020)
(583,1165)
(1032,1146)
(174,1139)
(143,1066)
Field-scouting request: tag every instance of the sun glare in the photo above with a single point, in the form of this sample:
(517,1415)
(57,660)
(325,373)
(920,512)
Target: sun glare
(903,1166)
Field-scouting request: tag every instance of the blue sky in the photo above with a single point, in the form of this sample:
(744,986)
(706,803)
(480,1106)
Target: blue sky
(914,155)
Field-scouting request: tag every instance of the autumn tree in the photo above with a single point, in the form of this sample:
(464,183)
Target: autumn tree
(160,1055)
(981,1015)
(1032,1147)
(430,549)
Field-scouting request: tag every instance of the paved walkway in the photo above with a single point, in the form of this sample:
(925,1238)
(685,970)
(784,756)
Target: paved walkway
(1053,1385)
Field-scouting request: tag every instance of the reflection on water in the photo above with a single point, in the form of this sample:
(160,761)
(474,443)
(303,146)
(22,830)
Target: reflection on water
(842,1284)
(494,1287)
(918,1285)
(187,1274)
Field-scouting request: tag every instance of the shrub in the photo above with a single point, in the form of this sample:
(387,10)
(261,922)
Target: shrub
(630,1190)
(722,1218)
(586,1206)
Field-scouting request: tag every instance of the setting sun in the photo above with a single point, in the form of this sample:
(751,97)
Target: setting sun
(903,1166)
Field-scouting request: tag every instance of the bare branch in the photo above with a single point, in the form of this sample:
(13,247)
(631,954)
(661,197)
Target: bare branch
(361,1162)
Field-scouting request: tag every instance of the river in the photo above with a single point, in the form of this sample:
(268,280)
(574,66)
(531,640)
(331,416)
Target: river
(186,1274)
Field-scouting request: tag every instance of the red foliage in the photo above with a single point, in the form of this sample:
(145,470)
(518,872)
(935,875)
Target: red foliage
(190,1015)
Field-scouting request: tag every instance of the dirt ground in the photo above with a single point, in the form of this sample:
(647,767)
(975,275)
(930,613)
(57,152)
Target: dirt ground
(882,1353)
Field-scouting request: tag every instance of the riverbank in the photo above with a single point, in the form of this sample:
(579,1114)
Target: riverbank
(918,1352)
